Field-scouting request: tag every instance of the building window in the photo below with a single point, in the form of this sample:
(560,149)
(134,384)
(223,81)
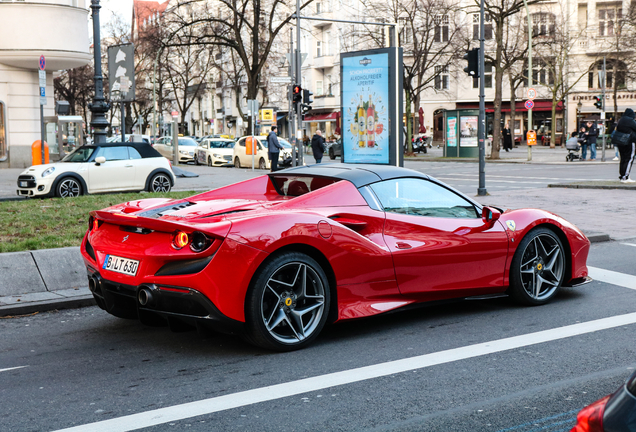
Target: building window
(487,77)
(487,27)
(318,7)
(608,21)
(319,88)
(543,24)
(327,43)
(441,28)
(441,77)
(615,73)
(318,48)
(3,132)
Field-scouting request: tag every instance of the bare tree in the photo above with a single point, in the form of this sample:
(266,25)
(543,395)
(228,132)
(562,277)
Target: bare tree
(76,86)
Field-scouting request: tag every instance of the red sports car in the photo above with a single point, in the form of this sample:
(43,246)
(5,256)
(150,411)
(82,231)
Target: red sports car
(277,257)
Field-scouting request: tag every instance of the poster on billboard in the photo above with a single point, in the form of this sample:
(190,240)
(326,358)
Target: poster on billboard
(451,132)
(468,131)
(367,93)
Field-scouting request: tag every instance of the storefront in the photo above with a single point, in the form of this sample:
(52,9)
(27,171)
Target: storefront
(325,122)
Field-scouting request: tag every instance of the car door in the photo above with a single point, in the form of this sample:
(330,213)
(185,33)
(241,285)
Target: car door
(118,172)
(142,166)
(202,152)
(441,246)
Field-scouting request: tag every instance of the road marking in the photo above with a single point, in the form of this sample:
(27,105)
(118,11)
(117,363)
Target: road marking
(612,277)
(629,244)
(12,368)
(279,391)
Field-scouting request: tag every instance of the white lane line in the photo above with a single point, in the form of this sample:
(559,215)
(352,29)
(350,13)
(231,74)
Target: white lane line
(629,244)
(612,277)
(12,368)
(278,391)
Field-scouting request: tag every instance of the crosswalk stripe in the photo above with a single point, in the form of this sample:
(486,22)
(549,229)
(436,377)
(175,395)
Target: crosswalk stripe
(12,368)
(612,277)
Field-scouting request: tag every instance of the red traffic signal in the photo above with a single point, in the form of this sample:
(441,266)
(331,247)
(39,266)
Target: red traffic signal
(297,93)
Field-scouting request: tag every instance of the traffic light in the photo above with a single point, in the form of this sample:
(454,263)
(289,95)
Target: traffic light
(297,93)
(472,57)
(598,101)
(307,100)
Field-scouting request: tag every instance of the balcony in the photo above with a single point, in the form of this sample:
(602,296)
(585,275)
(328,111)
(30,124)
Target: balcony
(322,62)
(58,30)
(326,102)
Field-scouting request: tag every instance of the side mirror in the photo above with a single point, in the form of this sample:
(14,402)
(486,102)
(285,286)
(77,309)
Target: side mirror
(489,214)
(100,160)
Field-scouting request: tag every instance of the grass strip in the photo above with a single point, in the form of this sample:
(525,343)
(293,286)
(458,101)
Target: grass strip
(57,222)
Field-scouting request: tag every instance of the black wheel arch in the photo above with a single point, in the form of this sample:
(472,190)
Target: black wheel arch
(322,260)
(159,171)
(61,177)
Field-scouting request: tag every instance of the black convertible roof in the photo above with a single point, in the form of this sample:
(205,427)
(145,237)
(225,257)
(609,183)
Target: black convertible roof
(144,149)
(358,174)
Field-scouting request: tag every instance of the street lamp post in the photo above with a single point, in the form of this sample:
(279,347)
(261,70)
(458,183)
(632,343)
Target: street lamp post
(99,107)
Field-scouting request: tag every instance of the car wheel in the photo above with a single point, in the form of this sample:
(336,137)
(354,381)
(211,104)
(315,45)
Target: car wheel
(332,156)
(288,303)
(538,268)
(196,160)
(237,162)
(68,188)
(261,164)
(210,161)
(159,183)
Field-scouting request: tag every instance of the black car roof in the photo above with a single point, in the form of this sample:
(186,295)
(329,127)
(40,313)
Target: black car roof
(358,174)
(144,149)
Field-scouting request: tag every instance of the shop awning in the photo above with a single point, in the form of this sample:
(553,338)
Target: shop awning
(539,105)
(326,117)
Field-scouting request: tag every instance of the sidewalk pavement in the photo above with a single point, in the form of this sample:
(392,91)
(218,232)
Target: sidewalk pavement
(42,280)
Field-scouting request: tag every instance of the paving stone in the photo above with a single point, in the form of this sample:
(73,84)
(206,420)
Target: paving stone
(19,274)
(61,268)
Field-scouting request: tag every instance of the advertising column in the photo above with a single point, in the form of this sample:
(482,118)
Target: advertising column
(368,103)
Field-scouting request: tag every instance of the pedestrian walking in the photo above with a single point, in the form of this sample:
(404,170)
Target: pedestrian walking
(507,138)
(627,125)
(273,148)
(318,146)
(591,132)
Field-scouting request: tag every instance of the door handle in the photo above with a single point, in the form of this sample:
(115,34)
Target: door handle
(128,166)
(403,245)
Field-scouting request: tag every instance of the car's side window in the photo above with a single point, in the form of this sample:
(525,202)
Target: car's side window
(204,144)
(242,143)
(114,153)
(422,197)
(133,153)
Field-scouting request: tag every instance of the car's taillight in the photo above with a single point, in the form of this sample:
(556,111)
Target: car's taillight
(590,418)
(200,242)
(180,240)
(93,223)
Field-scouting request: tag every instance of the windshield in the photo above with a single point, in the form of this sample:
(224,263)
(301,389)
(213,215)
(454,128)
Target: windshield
(221,144)
(80,154)
(189,142)
(282,142)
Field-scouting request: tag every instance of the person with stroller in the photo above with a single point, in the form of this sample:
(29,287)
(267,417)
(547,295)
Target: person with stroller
(573,147)
(627,125)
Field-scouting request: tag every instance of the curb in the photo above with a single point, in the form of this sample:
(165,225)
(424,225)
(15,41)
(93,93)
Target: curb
(591,186)
(46,305)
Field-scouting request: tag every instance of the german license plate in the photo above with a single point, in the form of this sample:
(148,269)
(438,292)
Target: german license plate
(121,265)
(23,184)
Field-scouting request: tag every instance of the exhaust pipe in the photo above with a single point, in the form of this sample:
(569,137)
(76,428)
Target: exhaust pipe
(94,284)
(144,296)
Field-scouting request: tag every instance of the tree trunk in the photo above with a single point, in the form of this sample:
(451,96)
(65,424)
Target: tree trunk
(409,121)
(513,110)
(496,127)
(553,131)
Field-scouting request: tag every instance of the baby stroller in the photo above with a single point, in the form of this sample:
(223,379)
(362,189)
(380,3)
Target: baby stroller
(573,151)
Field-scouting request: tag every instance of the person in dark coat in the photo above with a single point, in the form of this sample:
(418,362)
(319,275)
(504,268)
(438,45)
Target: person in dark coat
(507,138)
(273,148)
(318,146)
(591,132)
(627,125)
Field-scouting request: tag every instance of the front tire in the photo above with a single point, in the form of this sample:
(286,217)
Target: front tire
(237,162)
(332,155)
(261,164)
(159,183)
(210,161)
(538,268)
(68,187)
(288,303)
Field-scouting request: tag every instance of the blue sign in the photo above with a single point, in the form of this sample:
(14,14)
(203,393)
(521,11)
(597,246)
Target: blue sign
(42,91)
(365,108)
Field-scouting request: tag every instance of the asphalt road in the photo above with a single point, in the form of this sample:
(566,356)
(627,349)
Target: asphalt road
(83,366)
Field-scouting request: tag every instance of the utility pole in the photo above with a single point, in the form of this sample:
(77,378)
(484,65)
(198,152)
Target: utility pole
(603,110)
(292,118)
(481,128)
(99,107)
(298,77)
(525,3)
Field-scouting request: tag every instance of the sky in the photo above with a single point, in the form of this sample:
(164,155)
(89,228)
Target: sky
(111,7)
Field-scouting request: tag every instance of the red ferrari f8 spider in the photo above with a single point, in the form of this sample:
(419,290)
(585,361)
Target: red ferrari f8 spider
(277,257)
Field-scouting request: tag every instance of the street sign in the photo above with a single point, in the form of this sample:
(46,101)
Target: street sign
(42,63)
(175,114)
(281,79)
(531,137)
(529,104)
(532,93)
(42,78)
(121,68)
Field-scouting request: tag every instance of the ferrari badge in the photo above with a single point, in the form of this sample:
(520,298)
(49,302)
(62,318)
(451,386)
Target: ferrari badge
(511,225)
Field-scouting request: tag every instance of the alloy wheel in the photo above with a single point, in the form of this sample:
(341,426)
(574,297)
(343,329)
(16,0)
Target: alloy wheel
(542,267)
(160,183)
(69,188)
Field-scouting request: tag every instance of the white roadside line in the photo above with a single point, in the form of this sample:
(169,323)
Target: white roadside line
(629,244)
(12,368)
(612,277)
(278,391)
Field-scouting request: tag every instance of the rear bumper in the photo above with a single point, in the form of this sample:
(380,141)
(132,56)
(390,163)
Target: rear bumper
(171,304)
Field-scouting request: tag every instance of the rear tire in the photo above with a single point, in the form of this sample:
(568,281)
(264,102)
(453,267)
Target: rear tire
(332,156)
(288,303)
(262,164)
(210,161)
(159,183)
(237,162)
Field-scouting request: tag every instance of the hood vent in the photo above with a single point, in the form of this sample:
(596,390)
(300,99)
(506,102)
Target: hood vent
(165,210)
